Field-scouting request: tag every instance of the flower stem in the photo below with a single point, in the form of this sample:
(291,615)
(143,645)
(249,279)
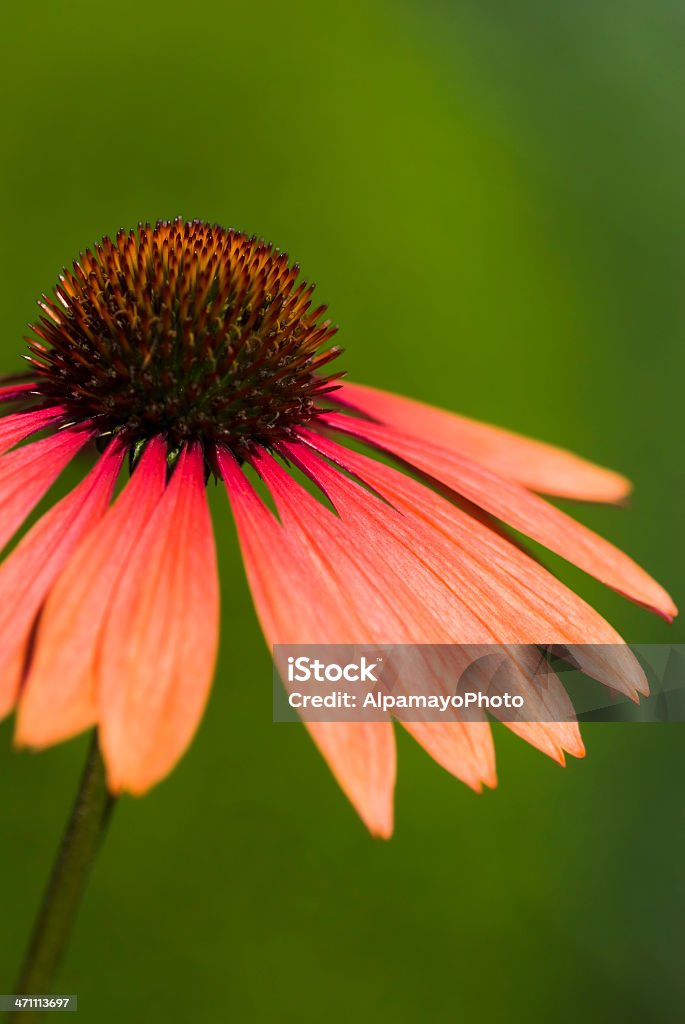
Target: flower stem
(55,921)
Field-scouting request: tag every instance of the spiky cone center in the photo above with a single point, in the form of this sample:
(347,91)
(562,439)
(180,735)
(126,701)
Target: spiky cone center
(187,330)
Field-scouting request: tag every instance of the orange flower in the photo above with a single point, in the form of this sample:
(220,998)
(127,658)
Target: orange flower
(192,351)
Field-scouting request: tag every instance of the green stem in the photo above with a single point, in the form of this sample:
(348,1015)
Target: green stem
(57,915)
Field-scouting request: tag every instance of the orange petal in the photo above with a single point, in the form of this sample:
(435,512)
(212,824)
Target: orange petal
(464,749)
(17,426)
(361,756)
(15,392)
(524,602)
(158,650)
(552,738)
(28,573)
(451,599)
(521,509)
(534,464)
(366,586)
(27,473)
(282,576)
(59,697)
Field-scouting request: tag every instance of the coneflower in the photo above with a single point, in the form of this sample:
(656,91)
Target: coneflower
(187,352)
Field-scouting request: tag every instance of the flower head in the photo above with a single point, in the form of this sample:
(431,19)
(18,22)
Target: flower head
(185,330)
(186,350)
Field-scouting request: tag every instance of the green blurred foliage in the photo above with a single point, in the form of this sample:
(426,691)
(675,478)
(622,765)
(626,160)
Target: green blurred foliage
(490,199)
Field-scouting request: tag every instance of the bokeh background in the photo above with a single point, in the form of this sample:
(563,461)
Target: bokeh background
(490,197)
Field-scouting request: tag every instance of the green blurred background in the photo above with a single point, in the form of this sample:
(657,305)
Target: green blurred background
(490,197)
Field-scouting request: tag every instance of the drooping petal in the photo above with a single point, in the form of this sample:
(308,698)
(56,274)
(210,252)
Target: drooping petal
(361,756)
(295,606)
(27,473)
(527,603)
(158,649)
(17,426)
(28,573)
(520,509)
(464,749)
(534,464)
(441,597)
(375,589)
(59,697)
